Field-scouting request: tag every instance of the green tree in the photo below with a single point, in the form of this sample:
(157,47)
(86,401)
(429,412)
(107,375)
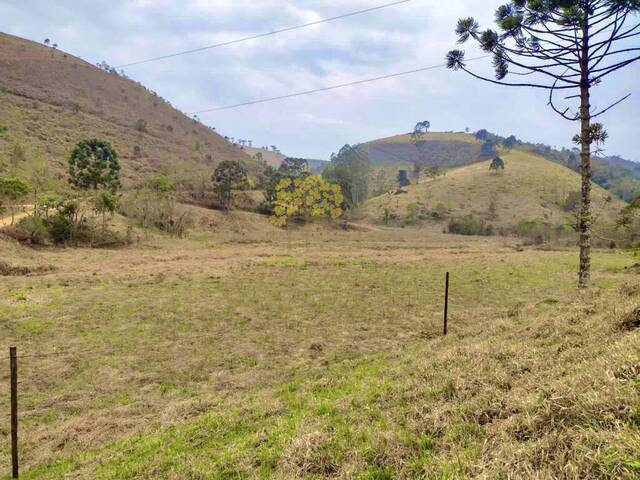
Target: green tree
(565,47)
(230,175)
(353,168)
(496,164)
(403,179)
(294,167)
(340,174)
(417,138)
(94,164)
(419,131)
(510,142)
(12,192)
(488,149)
(482,134)
(105,203)
(417,170)
(159,184)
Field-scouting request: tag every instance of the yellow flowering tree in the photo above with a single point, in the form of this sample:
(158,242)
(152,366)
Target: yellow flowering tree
(308,198)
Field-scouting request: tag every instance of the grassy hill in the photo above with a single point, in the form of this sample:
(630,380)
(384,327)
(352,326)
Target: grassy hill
(443,149)
(529,189)
(273,159)
(50,100)
(449,149)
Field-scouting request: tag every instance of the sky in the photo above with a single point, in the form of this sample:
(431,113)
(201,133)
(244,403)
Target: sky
(404,37)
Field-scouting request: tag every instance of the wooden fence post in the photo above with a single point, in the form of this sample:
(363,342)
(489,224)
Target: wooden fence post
(14,410)
(446,304)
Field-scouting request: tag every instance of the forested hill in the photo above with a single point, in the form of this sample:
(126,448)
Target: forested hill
(50,100)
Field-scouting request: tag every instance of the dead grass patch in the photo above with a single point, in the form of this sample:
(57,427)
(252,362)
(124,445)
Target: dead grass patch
(8,270)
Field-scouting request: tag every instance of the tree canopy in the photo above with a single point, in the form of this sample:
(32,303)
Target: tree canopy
(93,164)
(420,130)
(230,175)
(350,168)
(308,198)
(294,167)
(497,164)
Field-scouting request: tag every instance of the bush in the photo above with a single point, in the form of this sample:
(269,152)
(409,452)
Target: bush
(61,228)
(141,125)
(64,223)
(413,214)
(153,209)
(534,232)
(469,225)
(31,229)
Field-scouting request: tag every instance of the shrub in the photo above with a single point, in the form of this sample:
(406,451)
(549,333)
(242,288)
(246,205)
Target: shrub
(141,125)
(534,231)
(65,225)
(388,216)
(31,229)
(413,214)
(469,225)
(19,153)
(61,228)
(154,209)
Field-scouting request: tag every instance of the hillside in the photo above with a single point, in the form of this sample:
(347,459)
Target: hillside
(529,189)
(273,159)
(446,150)
(50,100)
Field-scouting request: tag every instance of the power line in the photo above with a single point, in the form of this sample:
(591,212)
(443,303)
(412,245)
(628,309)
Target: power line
(326,89)
(262,35)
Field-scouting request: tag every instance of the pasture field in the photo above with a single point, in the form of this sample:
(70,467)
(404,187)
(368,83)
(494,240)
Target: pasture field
(317,353)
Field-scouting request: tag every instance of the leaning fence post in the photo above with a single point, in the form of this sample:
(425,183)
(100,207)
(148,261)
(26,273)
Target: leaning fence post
(14,410)
(446,303)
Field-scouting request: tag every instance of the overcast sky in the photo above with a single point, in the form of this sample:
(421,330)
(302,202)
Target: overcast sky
(404,37)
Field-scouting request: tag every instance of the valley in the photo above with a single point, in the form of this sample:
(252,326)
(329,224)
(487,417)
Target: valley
(205,292)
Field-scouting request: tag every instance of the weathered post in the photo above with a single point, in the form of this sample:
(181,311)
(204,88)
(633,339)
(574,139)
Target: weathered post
(13,357)
(446,303)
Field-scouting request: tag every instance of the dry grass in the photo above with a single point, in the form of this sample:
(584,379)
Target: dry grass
(257,353)
(433,136)
(51,100)
(530,188)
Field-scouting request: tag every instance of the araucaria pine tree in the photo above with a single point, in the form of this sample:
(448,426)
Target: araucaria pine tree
(566,47)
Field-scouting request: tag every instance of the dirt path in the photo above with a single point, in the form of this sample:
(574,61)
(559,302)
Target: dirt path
(6,221)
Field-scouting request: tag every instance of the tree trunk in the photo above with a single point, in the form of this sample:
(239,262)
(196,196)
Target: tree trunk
(584,225)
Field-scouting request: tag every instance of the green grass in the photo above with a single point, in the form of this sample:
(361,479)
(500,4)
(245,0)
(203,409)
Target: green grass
(320,357)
